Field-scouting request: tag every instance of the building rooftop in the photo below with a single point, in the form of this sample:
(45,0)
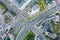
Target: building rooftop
(21,4)
(52,35)
(21,1)
(35,8)
(45,24)
(48,1)
(57,18)
(6,38)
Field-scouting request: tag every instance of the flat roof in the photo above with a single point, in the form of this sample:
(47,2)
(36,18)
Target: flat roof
(21,4)
(20,1)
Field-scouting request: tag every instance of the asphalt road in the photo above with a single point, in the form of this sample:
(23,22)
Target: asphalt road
(46,14)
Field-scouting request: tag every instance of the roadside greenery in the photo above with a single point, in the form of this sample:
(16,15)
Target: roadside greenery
(30,36)
(48,38)
(6,20)
(55,29)
(4,8)
(14,14)
(41,5)
(57,14)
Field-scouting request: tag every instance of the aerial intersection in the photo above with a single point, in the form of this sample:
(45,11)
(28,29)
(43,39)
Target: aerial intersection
(29,19)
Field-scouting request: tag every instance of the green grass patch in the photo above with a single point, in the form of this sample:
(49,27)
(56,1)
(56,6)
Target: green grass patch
(41,5)
(48,38)
(39,23)
(4,8)
(30,36)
